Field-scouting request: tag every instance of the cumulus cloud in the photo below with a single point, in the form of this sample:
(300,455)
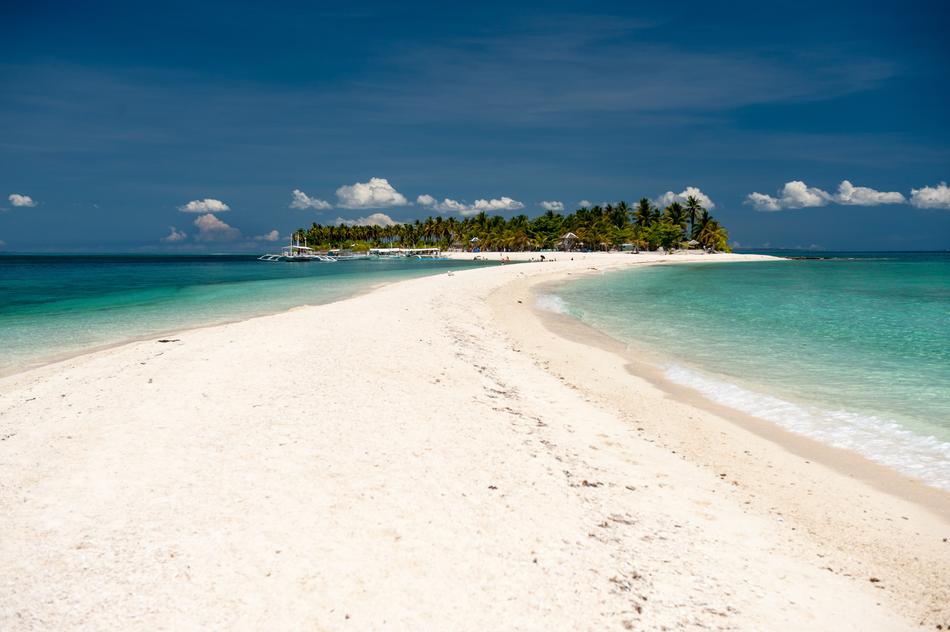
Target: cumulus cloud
(448,205)
(207,205)
(585,204)
(377,193)
(376,219)
(795,194)
(553,205)
(174,236)
(931,197)
(669,197)
(499,204)
(21,200)
(445,206)
(863,196)
(210,228)
(302,200)
(271,236)
(763,202)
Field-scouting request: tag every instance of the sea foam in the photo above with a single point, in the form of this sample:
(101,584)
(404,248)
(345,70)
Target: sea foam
(880,440)
(553,303)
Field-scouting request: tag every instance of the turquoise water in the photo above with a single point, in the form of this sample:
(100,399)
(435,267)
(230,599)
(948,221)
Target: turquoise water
(852,349)
(55,305)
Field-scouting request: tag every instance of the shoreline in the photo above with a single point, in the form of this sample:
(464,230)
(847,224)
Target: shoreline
(845,460)
(472,487)
(57,358)
(843,472)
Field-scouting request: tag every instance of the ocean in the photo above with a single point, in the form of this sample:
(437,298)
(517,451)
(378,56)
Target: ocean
(53,306)
(852,349)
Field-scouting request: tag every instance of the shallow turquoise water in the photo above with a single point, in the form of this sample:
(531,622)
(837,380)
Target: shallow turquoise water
(64,304)
(853,349)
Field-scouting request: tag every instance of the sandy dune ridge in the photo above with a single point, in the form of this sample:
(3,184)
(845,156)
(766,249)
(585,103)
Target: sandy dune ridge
(418,457)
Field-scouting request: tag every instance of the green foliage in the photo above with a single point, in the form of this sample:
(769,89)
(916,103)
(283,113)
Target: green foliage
(664,233)
(597,228)
(710,233)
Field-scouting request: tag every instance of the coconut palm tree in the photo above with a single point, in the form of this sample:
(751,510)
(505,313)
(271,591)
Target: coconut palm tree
(644,213)
(693,210)
(597,227)
(677,217)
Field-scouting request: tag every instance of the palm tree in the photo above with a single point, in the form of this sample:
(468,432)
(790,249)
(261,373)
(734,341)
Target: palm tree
(693,210)
(598,227)
(676,216)
(644,213)
(703,219)
(714,236)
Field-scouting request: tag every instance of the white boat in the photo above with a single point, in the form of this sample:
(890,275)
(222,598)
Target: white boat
(295,252)
(403,253)
(347,255)
(426,253)
(387,253)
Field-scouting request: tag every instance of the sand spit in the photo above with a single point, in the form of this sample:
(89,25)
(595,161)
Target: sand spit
(406,459)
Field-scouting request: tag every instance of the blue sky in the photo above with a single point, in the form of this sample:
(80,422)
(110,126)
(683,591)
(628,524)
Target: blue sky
(115,116)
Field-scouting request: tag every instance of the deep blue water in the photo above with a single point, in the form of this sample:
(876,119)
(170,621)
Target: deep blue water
(849,348)
(53,305)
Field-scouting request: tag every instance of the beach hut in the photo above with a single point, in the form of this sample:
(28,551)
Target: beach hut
(473,244)
(568,240)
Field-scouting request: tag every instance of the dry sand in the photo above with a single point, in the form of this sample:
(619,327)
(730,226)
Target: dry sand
(446,460)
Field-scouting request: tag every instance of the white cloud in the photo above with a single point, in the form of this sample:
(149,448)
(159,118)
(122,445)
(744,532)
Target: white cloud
(210,228)
(174,236)
(553,205)
(448,205)
(669,197)
(795,194)
(931,197)
(763,202)
(499,204)
(863,196)
(271,236)
(445,206)
(376,219)
(21,200)
(207,205)
(585,204)
(302,200)
(377,193)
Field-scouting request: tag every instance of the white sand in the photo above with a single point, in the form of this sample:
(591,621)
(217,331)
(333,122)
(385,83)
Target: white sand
(445,462)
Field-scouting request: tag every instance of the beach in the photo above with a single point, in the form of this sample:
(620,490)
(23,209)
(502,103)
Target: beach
(438,453)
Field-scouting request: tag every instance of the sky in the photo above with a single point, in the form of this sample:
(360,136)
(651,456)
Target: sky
(225,126)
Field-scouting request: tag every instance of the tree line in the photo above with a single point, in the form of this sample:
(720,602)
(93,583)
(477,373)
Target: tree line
(596,228)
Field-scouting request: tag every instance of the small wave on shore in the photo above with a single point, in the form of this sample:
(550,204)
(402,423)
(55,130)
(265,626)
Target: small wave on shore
(880,440)
(553,303)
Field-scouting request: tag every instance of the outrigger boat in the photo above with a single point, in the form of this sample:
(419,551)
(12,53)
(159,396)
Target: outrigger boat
(295,252)
(404,253)
(347,255)
(426,253)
